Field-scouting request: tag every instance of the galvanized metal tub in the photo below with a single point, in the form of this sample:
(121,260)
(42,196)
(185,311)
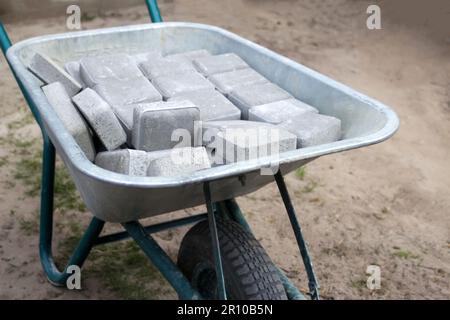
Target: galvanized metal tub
(119,198)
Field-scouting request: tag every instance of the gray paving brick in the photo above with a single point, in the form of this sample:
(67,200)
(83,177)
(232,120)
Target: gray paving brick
(228,81)
(189,56)
(101,118)
(131,91)
(252,95)
(279,111)
(126,161)
(145,56)
(153,69)
(125,115)
(210,65)
(212,105)
(174,85)
(313,129)
(154,125)
(177,161)
(48,72)
(70,117)
(73,68)
(238,140)
(99,69)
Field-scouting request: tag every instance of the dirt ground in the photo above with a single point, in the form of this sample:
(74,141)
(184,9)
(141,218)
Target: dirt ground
(386,205)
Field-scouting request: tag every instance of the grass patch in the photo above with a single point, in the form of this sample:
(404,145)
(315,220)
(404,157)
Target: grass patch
(128,272)
(359,283)
(405,254)
(22,122)
(22,147)
(3,161)
(300,173)
(66,193)
(29,169)
(310,186)
(29,226)
(86,17)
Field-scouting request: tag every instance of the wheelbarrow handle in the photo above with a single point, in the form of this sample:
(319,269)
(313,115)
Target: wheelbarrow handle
(153,10)
(5,43)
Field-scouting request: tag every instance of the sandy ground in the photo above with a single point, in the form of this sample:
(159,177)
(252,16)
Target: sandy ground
(386,205)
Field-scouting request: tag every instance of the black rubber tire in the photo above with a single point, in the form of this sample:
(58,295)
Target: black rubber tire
(248,271)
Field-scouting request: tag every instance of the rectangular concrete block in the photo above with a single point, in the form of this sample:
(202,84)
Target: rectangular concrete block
(238,140)
(73,68)
(70,117)
(131,91)
(101,118)
(161,127)
(189,56)
(153,69)
(210,65)
(252,95)
(126,161)
(177,161)
(146,56)
(175,85)
(99,69)
(228,81)
(48,72)
(212,105)
(313,129)
(125,115)
(279,111)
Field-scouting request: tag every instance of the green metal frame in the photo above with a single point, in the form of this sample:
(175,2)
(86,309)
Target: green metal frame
(142,234)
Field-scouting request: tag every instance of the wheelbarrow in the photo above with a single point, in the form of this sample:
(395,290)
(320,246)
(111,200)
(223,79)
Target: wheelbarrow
(219,257)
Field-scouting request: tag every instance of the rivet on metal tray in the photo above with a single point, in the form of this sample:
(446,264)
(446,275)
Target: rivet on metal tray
(242,179)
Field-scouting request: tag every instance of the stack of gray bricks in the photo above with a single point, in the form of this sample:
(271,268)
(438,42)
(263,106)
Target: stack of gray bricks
(118,80)
(173,115)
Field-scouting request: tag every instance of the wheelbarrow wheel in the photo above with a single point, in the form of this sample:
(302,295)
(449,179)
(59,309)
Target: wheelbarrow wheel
(248,271)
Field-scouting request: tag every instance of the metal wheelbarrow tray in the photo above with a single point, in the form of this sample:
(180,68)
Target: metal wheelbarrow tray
(115,197)
(119,198)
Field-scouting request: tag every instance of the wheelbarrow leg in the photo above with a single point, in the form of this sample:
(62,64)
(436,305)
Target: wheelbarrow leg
(312,280)
(222,295)
(55,276)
